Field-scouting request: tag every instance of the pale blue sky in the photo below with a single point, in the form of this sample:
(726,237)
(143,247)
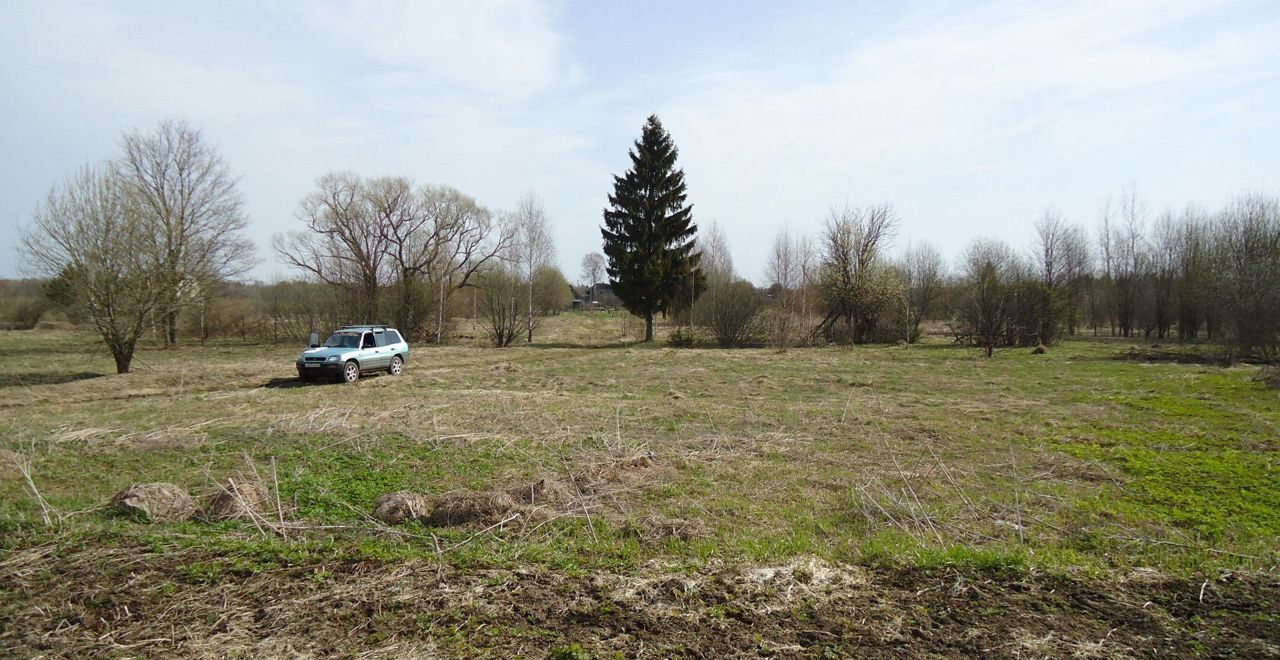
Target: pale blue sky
(971,118)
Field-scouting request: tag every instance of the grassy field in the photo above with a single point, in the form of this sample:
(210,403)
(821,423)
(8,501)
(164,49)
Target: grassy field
(920,500)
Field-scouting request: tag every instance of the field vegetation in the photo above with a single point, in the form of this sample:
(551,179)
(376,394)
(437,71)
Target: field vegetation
(591,495)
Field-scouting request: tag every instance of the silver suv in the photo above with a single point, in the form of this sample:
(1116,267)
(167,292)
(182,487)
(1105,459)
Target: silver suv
(352,350)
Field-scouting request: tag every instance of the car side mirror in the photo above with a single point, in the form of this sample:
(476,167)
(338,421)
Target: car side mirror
(313,341)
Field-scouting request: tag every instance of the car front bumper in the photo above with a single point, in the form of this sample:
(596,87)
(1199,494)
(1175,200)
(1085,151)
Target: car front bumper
(318,368)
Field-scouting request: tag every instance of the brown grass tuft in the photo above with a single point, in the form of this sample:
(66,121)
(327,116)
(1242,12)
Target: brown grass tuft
(237,498)
(547,491)
(155,502)
(401,507)
(472,508)
(657,528)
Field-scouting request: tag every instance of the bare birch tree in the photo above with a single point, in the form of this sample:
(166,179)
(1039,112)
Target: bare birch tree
(593,265)
(535,248)
(785,274)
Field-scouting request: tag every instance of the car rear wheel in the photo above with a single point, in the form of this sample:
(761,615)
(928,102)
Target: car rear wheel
(397,365)
(351,371)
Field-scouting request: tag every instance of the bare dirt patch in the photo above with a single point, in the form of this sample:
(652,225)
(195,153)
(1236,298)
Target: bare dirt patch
(128,600)
(1157,354)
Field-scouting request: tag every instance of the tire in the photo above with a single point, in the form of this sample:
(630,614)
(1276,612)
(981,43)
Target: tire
(396,366)
(351,371)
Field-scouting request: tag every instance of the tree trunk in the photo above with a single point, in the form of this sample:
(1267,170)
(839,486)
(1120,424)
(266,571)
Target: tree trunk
(990,349)
(123,356)
(440,314)
(648,326)
(408,324)
(171,328)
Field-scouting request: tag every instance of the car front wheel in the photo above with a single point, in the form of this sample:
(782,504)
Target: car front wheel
(351,372)
(397,365)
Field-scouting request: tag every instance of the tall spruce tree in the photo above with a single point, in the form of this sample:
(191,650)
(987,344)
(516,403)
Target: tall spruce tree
(648,229)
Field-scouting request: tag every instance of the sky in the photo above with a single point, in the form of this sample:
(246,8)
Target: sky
(971,118)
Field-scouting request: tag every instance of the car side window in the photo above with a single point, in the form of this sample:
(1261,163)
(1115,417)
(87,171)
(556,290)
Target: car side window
(393,337)
(379,338)
(368,340)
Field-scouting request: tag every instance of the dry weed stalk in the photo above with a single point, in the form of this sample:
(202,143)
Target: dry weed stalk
(22,461)
(1017,494)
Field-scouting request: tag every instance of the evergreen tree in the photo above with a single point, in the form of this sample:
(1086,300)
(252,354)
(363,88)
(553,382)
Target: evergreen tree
(648,229)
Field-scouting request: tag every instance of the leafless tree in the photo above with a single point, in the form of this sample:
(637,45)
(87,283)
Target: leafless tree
(345,243)
(729,306)
(438,240)
(187,188)
(852,272)
(983,319)
(1247,268)
(1161,279)
(398,211)
(1077,271)
(364,234)
(1061,258)
(1130,259)
(785,274)
(470,238)
(923,268)
(502,301)
(99,239)
(810,271)
(593,265)
(1193,290)
(535,248)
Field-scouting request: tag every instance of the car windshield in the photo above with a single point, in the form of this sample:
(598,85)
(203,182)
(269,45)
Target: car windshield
(343,340)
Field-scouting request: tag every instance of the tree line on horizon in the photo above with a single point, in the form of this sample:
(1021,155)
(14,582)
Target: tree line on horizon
(151,241)
(1187,276)
(1192,276)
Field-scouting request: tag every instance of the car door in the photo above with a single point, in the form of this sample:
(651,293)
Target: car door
(384,351)
(369,358)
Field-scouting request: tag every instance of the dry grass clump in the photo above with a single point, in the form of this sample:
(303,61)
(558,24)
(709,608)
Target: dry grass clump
(158,501)
(238,498)
(1270,376)
(596,477)
(400,507)
(547,491)
(658,528)
(473,508)
(548,497)
(506,368)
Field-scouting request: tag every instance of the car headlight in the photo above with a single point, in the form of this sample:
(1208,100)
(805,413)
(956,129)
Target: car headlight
(333,358)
